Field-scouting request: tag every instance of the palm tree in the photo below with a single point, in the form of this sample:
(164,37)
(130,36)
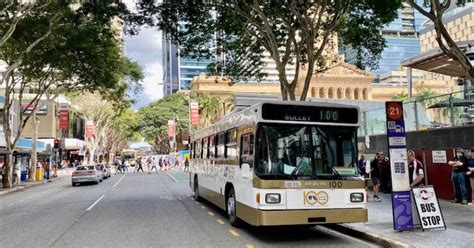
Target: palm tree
(402,97)
(427,97)
(209,107)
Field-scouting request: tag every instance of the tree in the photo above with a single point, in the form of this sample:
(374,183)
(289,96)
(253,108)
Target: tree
(402,97)
(124,129)
(234,33)
(209,107)
(426,96)
(437,9)
(63,48)
(154,119)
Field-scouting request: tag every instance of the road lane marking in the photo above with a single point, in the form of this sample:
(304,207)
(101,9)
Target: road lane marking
(203,207)
(250,246)
(93,204)
(234,233)
(11,205)
(115,185)
(22,200)
(172,177)
(220,222)
(211,213)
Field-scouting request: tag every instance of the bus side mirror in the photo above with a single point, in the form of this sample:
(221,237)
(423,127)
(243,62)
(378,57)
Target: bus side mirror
(245,170)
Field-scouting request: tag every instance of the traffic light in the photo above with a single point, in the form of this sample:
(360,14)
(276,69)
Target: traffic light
(56,144)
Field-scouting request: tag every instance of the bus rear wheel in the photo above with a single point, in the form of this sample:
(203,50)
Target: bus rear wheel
(196,190)
(232,208)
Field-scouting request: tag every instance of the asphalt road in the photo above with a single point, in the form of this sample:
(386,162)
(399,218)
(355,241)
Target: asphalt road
(137,210)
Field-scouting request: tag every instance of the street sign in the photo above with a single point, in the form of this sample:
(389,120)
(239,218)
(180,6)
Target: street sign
(428,208)
(63,119)
(397,150)
(439,157)
(89,129)
(171,128)
(194,113)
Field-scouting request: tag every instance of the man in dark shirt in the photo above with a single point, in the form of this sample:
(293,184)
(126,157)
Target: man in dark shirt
(385,179)
(459,165)
(375,175)
(416,172)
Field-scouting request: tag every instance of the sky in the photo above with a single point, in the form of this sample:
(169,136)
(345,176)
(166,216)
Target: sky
(145,48)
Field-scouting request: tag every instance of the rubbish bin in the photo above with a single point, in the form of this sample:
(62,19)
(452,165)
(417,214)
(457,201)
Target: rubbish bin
(23,175)
(39,174)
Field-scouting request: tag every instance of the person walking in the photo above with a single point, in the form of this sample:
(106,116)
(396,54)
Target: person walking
(149,163)
(153,165)
(384,163)
(459,169)
(375,175)
(126,165)
(140,165)
(160,163)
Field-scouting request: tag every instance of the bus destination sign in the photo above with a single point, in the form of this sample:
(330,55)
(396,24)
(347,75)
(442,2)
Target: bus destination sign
(280,112)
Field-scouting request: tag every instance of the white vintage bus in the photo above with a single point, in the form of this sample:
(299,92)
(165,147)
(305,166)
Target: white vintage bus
(281,163)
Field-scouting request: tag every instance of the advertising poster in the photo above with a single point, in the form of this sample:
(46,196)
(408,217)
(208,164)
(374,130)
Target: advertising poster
(403,217)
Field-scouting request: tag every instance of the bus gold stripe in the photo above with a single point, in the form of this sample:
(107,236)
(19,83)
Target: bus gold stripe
(308,184)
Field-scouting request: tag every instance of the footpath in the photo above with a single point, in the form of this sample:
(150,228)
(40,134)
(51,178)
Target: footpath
(459,220)
(25,185)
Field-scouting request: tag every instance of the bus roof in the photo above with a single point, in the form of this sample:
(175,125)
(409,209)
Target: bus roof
(287,112)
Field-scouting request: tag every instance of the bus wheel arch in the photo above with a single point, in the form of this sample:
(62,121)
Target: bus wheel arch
(231,205)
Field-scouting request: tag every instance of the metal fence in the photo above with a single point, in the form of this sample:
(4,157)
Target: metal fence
(446,110)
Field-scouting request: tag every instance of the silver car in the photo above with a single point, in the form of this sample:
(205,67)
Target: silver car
(85,174)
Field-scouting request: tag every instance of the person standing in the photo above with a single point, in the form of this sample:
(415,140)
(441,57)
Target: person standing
(469,174)
(153,165)
(416,171)
(186,164)
(459,169)
(126,165)
(384,163)
(361,165)
(375,175)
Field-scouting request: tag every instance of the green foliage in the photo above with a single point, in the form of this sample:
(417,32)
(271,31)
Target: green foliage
(234,33)
(208,107)
(154,118)
(402,97)
(427,96)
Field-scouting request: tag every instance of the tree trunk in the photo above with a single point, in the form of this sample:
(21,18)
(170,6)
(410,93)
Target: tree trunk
(34,155)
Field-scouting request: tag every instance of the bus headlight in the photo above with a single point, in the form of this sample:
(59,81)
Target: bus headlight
(357,197)
(272,198)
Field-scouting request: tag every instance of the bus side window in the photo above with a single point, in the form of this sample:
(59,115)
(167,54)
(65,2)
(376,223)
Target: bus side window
(197,153)
(220,145)
(212,146)
(205,148)
(246,149)
(231,144)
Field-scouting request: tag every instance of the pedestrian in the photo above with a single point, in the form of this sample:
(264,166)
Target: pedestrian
(140,165)
(160,163)
(469,174)
(153,163)
(149,162)
(459,169)
(16,173)
(416,171)
(46,170)
(384,163)
(375,175)
(361,165)
(126,165)
(186,164)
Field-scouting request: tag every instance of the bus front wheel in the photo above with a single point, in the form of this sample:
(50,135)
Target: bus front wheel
(231,208)
(196,189)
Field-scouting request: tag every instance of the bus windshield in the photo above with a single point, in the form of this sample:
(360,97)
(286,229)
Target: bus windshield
(305,152)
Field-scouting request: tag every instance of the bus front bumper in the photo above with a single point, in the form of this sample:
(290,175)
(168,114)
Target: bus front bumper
(303,217)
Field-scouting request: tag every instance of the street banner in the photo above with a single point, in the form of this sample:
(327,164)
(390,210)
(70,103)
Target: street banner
(403,217)
(63,119)
(428,208)
(397,150)
(194,113)
(89,129)
(171,127)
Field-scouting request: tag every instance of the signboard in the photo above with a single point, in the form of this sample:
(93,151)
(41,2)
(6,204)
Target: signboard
(194,113)
(171,127)
(402,210)
(42,109)
(63,119)
(428,208)
(298,113)
(396,138)
(439,157)
(89,129)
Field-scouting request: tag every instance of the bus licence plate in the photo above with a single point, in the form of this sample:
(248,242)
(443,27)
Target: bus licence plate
(292,184)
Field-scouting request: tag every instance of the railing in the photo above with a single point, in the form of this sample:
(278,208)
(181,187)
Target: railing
(440,111)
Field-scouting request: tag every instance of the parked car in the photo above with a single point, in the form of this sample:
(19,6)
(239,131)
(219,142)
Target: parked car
(86,174)
(105,170)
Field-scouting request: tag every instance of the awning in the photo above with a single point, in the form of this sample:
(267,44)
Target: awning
(436,61)
(70,143)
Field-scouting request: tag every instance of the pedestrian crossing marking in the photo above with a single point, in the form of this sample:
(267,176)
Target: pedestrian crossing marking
(250,246)
(234,233)
(220,222)
(203,207)
(211,213)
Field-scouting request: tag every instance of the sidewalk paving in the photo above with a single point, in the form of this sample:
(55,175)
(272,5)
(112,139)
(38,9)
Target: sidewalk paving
(459,220)
(24,185)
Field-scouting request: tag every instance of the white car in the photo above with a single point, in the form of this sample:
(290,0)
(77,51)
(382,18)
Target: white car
(86,174)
